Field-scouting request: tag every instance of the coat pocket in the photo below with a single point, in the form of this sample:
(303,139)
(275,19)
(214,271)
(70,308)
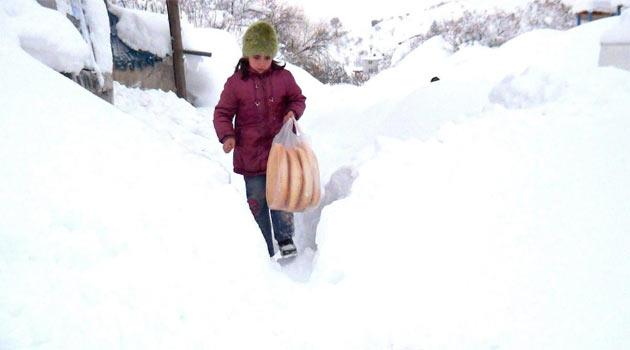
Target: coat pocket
(250,134)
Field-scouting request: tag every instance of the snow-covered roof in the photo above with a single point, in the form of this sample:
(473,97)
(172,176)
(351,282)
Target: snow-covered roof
(98,23)
(150,32)
(596,5)
(47,35)
(143,30)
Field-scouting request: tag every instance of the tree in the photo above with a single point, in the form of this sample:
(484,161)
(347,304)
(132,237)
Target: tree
(302,42)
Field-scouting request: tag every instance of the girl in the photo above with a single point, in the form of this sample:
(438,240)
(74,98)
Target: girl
(262,95)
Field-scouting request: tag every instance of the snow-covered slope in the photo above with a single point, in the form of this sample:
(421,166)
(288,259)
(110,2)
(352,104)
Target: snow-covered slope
(113,236)
(384,29)
(510,227)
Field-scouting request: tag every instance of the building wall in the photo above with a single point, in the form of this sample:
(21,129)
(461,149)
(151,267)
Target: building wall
(370,66)
(584,16)
(158,76)
(139,69)
(616,55)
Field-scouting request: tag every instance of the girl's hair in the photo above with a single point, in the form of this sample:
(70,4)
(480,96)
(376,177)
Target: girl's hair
(243,67)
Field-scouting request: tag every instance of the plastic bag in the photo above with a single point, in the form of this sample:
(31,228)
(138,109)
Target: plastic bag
(292,171)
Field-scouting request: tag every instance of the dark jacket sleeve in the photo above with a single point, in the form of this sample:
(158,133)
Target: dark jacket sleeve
(224,112)
(296,101)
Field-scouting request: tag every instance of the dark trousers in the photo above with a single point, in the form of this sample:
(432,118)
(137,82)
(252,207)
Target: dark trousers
(282,221)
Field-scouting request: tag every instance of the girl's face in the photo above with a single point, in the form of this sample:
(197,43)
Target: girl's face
(259,63)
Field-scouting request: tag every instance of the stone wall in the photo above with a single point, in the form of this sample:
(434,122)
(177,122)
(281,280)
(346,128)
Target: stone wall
(157,76)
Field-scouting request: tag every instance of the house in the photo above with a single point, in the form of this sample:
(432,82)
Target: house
(136,54)
(615,44)
(591,10)
(143,50)
(146,69)
(96,75)
(370,63)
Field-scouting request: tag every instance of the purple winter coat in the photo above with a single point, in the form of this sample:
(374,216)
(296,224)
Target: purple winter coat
(259,104)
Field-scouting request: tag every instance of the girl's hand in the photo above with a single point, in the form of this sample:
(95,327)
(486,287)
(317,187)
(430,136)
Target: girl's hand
(288,116)
(228,144)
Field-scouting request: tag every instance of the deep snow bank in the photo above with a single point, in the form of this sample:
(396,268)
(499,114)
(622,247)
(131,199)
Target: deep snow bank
(508,228)
(112,235)
(498,222)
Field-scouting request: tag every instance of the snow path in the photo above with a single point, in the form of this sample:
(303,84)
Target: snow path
(192,128)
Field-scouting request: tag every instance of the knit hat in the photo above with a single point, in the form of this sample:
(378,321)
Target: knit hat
(260,38)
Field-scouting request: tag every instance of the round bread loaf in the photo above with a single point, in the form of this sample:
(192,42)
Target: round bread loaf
(277,189)
(306,195)
(295,179)
(314,167)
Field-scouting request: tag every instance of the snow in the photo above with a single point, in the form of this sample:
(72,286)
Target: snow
(45,34)
(143,30)
(205,76)
(487,210)
(532,88)
(98,23)
(184,124)
(50,37)
(492,234)
(355,15)
(620,33)
(147,31)
(494,229)
(383,28)
(108,226)
(592,5)
(596,5)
